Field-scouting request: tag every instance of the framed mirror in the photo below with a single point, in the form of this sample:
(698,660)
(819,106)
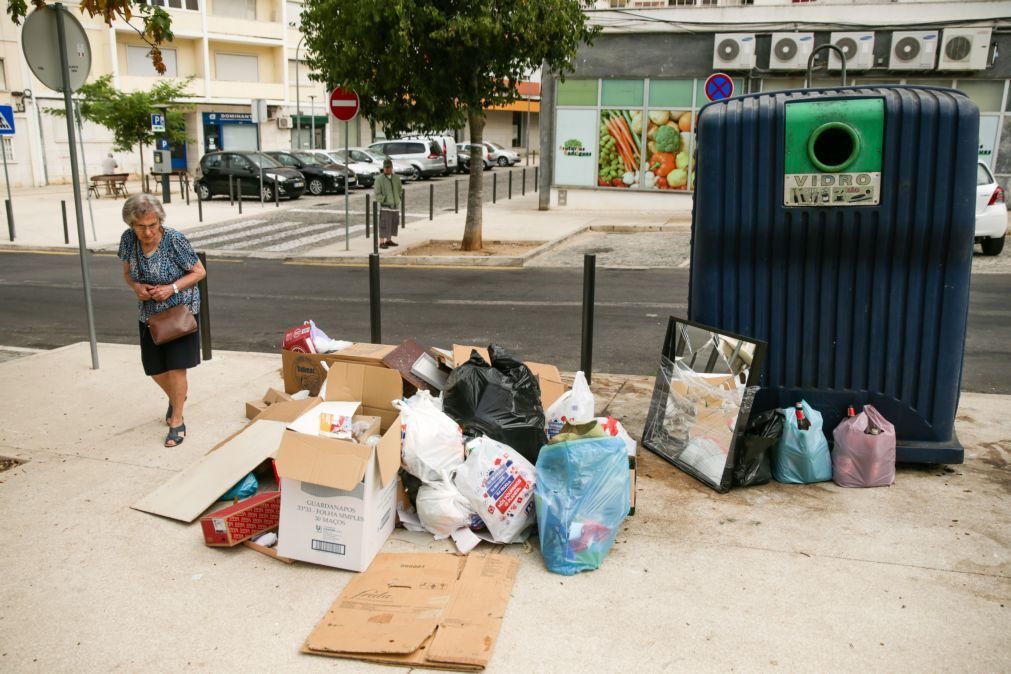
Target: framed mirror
(702,397)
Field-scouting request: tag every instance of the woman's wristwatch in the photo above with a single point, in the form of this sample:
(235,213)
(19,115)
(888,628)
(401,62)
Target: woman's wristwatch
(175,289)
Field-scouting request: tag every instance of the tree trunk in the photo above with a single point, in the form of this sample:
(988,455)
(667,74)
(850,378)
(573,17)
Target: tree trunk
(472,239)
(143,185)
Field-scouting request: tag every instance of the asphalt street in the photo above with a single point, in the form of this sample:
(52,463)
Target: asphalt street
(315,221)
(536,313)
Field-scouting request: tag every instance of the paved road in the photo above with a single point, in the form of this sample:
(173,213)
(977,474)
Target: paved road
(315,221)
(534,312)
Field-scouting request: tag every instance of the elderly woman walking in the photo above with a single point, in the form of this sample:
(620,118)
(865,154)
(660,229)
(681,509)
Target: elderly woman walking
(161,268)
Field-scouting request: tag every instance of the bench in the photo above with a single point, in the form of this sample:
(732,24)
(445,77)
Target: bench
(115,184)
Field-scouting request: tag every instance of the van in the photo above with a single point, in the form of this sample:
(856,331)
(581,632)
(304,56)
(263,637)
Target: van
(423,154)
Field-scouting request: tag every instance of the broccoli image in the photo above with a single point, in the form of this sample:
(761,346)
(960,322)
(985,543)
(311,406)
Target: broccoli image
(667,139)
(574,144)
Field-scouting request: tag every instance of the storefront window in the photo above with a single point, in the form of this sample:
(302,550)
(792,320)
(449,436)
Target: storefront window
(670,93)
(577,92)
(988,95)
(620,148)
(782,83)
(669,141)
(622,93)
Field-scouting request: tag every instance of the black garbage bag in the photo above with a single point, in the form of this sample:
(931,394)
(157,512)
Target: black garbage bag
(501,401)
(753,465)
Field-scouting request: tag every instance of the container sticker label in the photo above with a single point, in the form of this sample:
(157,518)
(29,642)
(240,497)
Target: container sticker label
(832,189)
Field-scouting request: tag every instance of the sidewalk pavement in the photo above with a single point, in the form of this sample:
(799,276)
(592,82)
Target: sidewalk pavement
(912,577)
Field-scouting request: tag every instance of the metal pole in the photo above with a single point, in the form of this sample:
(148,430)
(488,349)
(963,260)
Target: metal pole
(375,225)
(526,132)
(261,187)
(231,191)
(494,186)
(510,183)
(347,165)
(66,230)
(7,179)
(84,167)
(535,177)
(200,205)
(589,282)
(368,213)
(205,310)
(523,188)
(403,208)
(61,41)
(298,99)
(238,184)
(375,320)
(10,218)
(456,196)
(186,189)
(431,201)
(277,196)
(312,121)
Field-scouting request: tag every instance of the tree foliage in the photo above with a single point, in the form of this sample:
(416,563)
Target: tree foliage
(155,29)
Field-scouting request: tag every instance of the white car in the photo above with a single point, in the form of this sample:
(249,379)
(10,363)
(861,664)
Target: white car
(499,155)
(991,212)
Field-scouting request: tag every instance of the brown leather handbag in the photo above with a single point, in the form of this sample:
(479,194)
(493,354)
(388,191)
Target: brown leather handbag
(171,324)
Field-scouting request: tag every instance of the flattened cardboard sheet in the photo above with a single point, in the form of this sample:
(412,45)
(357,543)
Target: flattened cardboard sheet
(420,610)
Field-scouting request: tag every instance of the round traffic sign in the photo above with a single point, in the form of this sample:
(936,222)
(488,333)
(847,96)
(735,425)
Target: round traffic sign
(719,86)
(343,104)
(39,40)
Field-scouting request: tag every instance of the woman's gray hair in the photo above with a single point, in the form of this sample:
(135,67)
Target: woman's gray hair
(142,204)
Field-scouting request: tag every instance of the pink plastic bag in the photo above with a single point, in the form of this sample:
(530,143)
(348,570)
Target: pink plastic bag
(859,458)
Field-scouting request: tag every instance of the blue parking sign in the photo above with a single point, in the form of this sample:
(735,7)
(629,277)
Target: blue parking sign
(157,122)
(6,120)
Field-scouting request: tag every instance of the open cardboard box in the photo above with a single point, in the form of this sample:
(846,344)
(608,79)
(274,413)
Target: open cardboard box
(255,407)
(338,497)
(304,371)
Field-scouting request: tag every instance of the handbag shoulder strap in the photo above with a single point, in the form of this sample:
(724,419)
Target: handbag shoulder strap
(136,250)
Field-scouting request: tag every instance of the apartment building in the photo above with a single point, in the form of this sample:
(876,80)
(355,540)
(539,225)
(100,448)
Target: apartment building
(652,60)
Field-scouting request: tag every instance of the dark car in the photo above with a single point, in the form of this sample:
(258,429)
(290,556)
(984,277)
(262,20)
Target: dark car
(244,169)
(320,177)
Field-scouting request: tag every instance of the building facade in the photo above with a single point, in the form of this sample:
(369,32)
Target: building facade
(625,118)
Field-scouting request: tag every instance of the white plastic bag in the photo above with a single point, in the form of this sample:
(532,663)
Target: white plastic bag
(433,443)
(575,405)
(442,509)
(499,484)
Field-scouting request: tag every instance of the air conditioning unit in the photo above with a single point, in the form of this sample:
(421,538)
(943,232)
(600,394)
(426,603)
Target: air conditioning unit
(913,50)
(964,49)
(858,48)
(734,51)
(789,51)
(284,122)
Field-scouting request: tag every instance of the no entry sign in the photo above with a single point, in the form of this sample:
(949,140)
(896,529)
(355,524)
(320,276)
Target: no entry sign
(719,86)
(343,104)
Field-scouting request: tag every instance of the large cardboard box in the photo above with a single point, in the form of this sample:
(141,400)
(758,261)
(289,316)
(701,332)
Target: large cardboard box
(420,610)
(338,498)
(303,371)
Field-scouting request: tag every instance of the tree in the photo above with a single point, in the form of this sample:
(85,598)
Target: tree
(432,65)
(128,115)
(156,23)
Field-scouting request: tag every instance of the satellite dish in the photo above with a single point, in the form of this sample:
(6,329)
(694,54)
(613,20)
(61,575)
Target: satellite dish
(39,39)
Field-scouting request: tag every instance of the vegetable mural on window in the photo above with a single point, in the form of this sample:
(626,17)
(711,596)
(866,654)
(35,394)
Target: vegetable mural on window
(669,142)
(620,152)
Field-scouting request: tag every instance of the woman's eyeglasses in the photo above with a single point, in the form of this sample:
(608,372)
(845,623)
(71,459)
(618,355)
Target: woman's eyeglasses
(146,228)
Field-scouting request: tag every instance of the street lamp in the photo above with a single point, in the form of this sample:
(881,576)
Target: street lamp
(312,118)
(298,93)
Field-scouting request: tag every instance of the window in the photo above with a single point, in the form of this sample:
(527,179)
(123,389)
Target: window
(577,92)
(670,93)
(983,176)
(174,4)
(237,67)
(303,73)
(621,93)
(294,13)
(8,147)
(3,76)
(987,94)
(212,161)
(235,9)
(434,149)
(287,160)
(138,62)
(239,163)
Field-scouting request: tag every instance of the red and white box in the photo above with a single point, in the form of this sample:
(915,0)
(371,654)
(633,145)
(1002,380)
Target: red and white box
(247,518)
(299,340)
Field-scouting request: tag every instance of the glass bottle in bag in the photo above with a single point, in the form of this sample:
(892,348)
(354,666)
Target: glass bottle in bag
(802,421)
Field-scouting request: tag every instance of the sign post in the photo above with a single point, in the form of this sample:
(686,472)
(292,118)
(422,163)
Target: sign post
(719,86)
(65,69)
(344,106)
(7,129)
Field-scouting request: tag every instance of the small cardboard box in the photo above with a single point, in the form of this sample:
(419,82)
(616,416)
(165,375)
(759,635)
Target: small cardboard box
(299,339)
(420,610)
(303,371)
(254,407)
(338,497)
(247,518)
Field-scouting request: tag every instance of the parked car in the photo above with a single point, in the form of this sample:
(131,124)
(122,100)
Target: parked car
(464,167)
(330,159)
(450,150)
(216,168)
(320,178)
(500,155)
(367,171)
(424,156)
(991,212)
(363,155)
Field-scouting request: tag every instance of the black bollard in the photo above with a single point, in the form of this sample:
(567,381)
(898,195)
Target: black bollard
(589,282)
(368,213)
(200,205)
(205,307)
(523,187)
(374,316)
(277,196)
(10,218)
(375,225)
(535,178)
(510,183)
(456,196)
(238,184)
(186,190)
(431,201)
(494,187)
(66,231)
(231,191)
(403,209)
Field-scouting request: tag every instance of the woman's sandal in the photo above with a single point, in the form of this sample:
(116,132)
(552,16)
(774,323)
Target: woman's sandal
(175,435)
(168,414)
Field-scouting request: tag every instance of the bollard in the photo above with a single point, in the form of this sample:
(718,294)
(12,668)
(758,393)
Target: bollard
(238,184)
(10,218)
(277,196)
(510,183)
(494,186)
(200,206)
(375,225)
(205,307)
(456,196)
(374,317)
(431,201)
(186,189)
(403,209)
(523,187)
(261,187)
(66,232)
(535,178)
(589,281)
(368,213)
(231,191)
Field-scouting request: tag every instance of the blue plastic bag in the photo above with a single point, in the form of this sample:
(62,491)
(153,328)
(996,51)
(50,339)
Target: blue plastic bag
(244,488)
(582,497)
(802,457)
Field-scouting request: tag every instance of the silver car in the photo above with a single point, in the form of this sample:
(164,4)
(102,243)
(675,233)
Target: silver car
(499,155)
(367,157)
(424,156)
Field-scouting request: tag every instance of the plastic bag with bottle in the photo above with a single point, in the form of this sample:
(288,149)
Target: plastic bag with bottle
(801,455)
(864,453)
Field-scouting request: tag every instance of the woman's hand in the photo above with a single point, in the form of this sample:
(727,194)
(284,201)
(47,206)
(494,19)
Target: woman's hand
(160,293)
(141,291)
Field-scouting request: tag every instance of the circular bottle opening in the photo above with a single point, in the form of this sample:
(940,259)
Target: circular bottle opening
(833,146)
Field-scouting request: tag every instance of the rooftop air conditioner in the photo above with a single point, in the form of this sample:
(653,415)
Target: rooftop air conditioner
(913,50)
(734,51)
(964,49)
(789,51)
(858,48)
(284,122)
